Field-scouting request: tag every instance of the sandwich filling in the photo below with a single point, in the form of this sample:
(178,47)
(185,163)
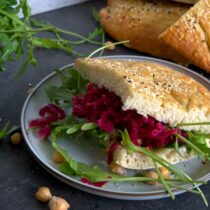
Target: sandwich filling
(100,106)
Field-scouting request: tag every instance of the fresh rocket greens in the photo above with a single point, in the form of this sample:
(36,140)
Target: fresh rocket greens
(93,173)
(15,33)
(72,84)
(6,130)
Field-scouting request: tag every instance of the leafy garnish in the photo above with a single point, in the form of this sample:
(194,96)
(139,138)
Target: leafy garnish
(6,130)
(16,33)
(93,173)
(72,84)
(197,144)
(127,143)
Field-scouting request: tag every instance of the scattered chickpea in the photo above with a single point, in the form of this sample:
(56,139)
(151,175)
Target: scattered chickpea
(16,138)
(164,172)
(151,174)
(111,47)
(115,168)
(57,157)
(43,194)
(58,203)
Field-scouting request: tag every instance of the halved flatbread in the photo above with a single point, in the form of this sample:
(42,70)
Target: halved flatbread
(152,90)
(190,35)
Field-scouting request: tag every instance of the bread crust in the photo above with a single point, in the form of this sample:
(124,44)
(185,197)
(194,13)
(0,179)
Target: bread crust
(190,35)
(141,22)
(151,89)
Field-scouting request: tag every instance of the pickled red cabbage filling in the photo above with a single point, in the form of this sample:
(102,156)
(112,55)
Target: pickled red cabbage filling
(104,108)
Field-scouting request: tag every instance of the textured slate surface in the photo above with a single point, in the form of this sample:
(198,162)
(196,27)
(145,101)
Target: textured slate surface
(20,174)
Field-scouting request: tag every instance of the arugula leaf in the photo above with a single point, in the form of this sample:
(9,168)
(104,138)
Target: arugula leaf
(66,169)
(92,173)
(88,126)
(6,130)
(71,84)
(73,129)
(127,143)
(14,32)
(197,145)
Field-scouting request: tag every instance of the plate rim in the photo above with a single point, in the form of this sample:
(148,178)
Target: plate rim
(92,189)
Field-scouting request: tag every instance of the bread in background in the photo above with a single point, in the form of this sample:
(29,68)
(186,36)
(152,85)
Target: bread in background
(190,35)
(142,22)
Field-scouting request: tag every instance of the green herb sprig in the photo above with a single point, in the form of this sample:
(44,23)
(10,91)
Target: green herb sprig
(6,130)
(15,33)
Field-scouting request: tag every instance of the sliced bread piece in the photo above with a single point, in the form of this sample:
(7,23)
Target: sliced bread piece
(151,89)
(141,22)
(190,35)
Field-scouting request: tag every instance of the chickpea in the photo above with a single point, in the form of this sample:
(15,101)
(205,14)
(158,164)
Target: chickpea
(164,172)
(151,174)
(16,138)
(109,45)
(115,168)
(57,157)
(43,194)
(58,203)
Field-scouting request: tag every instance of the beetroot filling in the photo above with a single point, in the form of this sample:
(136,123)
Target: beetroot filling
(103,107)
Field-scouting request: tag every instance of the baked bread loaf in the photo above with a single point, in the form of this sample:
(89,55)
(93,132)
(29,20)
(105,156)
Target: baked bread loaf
(141,22)
(151,89)
(190,35)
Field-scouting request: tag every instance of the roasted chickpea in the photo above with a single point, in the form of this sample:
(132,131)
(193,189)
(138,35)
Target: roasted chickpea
(115,168)
(16,138)
(151,174)
(109,45)
(43,194)
(58,203)
(164,172)
(57,157)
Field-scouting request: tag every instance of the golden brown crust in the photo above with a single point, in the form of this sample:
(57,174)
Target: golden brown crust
(142,22)
(190,35)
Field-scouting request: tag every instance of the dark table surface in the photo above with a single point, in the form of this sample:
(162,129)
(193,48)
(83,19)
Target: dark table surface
(20,174)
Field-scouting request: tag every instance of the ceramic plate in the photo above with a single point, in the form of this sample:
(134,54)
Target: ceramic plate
(88,152)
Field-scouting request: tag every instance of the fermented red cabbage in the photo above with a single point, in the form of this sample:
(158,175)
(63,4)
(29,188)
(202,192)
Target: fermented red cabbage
(111,150)
(49,114)
(103,107)
(96,184)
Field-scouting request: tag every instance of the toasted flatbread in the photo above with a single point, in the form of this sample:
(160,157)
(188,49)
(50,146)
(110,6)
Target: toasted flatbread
(152,90)
(141,22)
(190,35)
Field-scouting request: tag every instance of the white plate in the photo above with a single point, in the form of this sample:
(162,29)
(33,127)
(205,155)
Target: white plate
(88,152)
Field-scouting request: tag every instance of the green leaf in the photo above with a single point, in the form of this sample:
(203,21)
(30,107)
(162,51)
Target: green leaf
(95,14)
(6,130)
(26,10)
(3,134)
(73,129)
(55,93)
(200,148)
(88,126)
(71,84)
(66,169)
